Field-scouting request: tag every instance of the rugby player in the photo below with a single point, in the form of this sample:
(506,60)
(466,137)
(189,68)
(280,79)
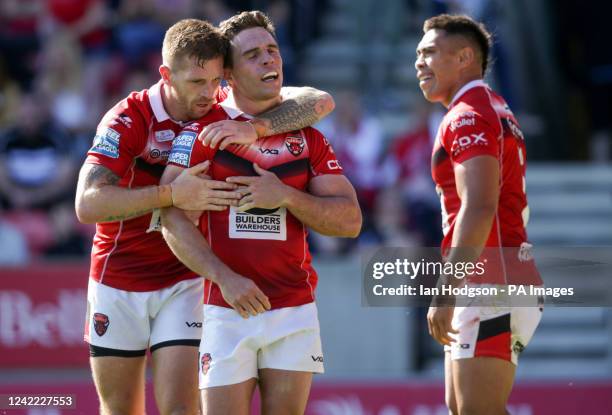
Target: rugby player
(140,297)
(478,166)
(289,182)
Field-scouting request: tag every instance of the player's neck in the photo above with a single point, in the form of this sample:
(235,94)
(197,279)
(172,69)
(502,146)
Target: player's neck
(171,105)
(460,84)
(253,107)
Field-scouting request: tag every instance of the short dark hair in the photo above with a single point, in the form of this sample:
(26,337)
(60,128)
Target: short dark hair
(464,26)
(242,21)
(193,38)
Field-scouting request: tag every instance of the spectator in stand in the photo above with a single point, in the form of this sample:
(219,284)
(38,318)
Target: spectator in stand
(37,172)
(60,80)
(36,169)
(19,40)
(357,139)
(407,172)
(10,94)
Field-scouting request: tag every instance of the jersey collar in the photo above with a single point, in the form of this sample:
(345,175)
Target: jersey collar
(155,98)
(230,107)
(472,84)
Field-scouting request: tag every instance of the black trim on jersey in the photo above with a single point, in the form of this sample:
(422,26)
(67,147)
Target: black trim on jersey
(155,170)
(493,327)
(97,351)
(439,156)
(181,342)
(245,167)
(293,168)
(242,166)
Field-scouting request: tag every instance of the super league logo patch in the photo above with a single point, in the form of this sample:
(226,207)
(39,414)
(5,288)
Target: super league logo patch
(295,145)
(206,359)
(101,323)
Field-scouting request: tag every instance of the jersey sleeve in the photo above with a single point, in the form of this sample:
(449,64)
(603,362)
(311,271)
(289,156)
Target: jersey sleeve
(468,134)
(323,160)
(187,150)
(120,138)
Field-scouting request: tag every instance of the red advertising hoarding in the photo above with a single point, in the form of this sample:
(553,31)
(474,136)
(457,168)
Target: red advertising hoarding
(42,316)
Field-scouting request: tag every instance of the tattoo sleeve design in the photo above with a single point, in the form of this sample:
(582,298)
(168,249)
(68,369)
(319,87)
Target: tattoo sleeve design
(99,176)
(295,113)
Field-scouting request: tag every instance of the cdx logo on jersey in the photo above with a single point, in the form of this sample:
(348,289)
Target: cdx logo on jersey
(472,139)
(295,145)
(101,323)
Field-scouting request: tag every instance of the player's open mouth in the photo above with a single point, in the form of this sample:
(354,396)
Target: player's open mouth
(270,76)
(424,78)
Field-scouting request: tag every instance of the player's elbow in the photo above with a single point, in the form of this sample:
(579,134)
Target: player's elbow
(84,211)
(326,104)
(352,224)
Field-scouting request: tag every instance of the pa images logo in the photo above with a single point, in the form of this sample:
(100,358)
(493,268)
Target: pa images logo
(101,323)
(206,359)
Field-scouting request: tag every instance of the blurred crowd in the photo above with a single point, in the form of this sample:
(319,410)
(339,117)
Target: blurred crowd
(65,62)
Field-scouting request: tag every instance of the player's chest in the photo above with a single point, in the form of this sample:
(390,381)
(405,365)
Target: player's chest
(159,142)
(285,156)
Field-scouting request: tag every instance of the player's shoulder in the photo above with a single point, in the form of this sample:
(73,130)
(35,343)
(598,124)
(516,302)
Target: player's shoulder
(470,113)
(134,108)
(310,133)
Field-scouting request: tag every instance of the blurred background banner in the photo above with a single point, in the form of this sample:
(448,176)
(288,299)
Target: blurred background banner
(42,316)
(64,63)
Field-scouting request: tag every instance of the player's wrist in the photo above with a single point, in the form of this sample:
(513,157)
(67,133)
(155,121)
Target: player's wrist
(260,126)
(164,193)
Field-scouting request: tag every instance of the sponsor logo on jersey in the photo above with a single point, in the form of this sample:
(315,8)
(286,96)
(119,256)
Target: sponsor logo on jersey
(106,142)
(181,148)
(471,140)
(101,323)
(514,129)
(317,358)
(193,324)
(164,135)
(157,153)
(271,151)
(334,165)
(206,359)
(248,225)
(295,144)
(194,126)
(463,119)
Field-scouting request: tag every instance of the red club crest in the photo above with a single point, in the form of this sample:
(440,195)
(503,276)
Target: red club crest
(101,323)
(295,145)
(206,359)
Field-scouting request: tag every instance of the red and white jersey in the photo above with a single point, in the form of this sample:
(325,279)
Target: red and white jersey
(479,122)
(266,245)
(134,140)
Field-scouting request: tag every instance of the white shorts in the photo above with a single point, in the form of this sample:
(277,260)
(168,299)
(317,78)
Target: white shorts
(233,349)
(488,331)
(132,322)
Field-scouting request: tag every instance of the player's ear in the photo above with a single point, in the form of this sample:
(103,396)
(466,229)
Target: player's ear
(466,56)
(164,71)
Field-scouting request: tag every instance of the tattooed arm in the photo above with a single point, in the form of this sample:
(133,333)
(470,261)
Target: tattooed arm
(300,107)
(100,199)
